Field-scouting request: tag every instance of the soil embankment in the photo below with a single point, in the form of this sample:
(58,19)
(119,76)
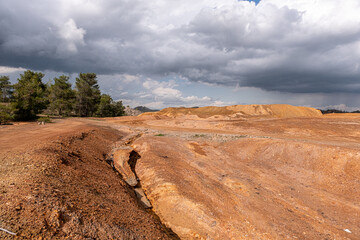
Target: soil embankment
(251,188)
(56,184)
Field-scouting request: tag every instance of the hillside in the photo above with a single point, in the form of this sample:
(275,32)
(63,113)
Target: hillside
(145,109)
(273,110)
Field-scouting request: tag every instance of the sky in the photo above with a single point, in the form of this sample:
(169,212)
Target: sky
(164,53)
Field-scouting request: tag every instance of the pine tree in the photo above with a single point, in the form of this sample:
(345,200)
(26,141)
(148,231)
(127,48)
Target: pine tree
(29,95)
(108,108)
(6,89)
(105,107)
(61,96)
(119,109)
(87,94)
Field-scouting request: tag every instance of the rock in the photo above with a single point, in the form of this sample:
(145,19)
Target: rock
(18,207)
(55,219)
(132,112)
(142,197)
(121,157)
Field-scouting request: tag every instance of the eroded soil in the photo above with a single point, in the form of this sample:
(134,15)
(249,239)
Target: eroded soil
(56,184)
(206,178)
(252,178)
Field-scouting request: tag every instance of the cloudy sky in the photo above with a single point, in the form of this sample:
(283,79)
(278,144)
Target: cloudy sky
(164,53)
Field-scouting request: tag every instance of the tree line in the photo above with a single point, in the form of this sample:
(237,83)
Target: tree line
(30,97)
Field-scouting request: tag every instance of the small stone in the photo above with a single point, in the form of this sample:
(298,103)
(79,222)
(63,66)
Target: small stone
(142,197)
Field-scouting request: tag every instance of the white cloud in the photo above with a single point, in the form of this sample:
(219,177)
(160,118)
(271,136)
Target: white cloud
(7,70)
(296,46)
(72,37)
(152,84)
(166,93)
(160,94)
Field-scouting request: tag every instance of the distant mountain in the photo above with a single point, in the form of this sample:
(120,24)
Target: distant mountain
(145,109)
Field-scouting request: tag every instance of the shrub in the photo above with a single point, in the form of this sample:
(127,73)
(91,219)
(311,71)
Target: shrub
(6,113)
(160,135)
(44,119)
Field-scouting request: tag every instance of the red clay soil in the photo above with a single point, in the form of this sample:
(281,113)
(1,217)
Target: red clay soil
(56,184)
(252,178)
(207,178)
(251,188)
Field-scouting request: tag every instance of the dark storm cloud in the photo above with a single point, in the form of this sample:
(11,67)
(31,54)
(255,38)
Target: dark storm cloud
(286,46)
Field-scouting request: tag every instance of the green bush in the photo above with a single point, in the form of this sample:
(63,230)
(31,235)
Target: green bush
(6,113)
(44,119)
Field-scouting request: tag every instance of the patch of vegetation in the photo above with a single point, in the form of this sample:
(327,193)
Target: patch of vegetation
(239,136)
(109,108)
(160,135)
(327,111)
(6,113)
(46,119)
(61,96)
(30,97)
(199,135)
(145,109)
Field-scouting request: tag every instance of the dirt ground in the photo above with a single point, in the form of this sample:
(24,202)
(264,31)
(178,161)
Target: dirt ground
(206,178)
(252,178)
(56,184)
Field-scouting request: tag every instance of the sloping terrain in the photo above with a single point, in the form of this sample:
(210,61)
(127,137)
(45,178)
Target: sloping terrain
(251,188)
(272,110)
(254,177)
(56,184)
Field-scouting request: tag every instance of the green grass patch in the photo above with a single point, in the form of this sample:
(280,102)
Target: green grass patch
(160,135)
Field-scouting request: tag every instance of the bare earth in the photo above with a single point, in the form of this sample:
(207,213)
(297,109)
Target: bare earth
(207,177)
(55,184)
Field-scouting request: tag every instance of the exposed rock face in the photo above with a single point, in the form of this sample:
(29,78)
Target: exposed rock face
(273,110)
(142,197)
(132,112)
(121,157)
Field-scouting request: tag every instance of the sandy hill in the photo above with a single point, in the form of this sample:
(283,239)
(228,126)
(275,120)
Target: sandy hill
(272,110)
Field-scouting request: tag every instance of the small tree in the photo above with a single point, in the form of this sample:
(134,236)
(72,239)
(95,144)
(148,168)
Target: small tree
(29,95)
(119,109)
(6,89)
(105,108)
(6,113)
(108,108)
(87,94)
(61,96)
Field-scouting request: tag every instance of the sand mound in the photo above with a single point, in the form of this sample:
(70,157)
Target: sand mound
(273,110)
